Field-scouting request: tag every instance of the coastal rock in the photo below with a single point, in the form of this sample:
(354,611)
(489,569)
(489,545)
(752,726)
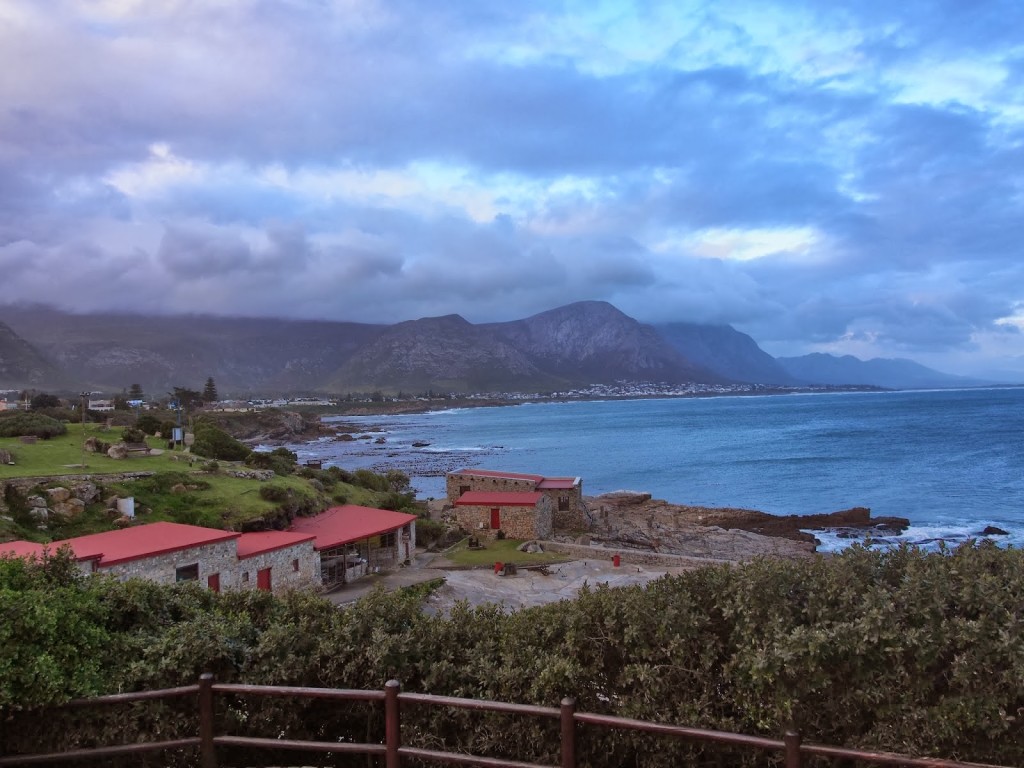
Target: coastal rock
(991,530)
(69,509)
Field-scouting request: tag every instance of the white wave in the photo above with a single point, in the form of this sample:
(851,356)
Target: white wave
(930,537)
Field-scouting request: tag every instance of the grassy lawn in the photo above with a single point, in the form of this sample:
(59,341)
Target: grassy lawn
(63,455)
(500,551)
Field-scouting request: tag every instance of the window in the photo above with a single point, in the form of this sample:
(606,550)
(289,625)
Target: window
(187,572)
(387,540)
(245,577)
(295,565)
(463,489)
(563,503)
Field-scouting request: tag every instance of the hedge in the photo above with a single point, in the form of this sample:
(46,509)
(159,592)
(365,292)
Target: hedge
(903,651)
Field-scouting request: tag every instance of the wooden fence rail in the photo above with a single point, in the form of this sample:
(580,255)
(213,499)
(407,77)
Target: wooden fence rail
(790,747)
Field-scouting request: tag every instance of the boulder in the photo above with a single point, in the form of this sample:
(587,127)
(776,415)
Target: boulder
(69,509)
(40,514)
(6,457)
(117,451)
(179,488)
(991,530)
(36,502)
(58,494)
(87,492)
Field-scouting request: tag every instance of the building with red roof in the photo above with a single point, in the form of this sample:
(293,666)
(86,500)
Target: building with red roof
(352,540)
(517,514)
(564,493)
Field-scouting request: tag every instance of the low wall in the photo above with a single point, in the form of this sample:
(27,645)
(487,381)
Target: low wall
(630,556)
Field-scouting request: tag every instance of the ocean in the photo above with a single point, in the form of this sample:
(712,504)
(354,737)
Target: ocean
(952,461)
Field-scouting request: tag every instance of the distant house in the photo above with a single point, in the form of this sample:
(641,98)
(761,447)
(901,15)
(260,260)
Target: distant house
(352,541)
(517,514)
(101,405)
(565,493)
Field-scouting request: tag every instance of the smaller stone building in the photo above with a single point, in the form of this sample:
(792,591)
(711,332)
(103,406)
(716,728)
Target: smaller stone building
(565,493)
(519,515)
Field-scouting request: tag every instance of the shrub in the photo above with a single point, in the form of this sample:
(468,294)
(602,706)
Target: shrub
(214,443)
(133,435)
(275,493)
(150,424)
(281,465)
(34,424)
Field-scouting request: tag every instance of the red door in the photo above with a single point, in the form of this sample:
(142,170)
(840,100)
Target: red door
(213,582)
(263,579)
(495,518)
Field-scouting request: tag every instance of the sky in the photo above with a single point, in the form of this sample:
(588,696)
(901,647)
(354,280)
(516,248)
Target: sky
(842,177)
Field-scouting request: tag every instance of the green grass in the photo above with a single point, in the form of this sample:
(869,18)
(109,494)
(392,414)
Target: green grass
(498,551)
(63,455)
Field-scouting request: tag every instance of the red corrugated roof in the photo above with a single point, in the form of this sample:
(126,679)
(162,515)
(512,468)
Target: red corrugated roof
(114,547)
(23,549)
(500,498)
(556,483)
(496,473)
(341,525)
(259,542)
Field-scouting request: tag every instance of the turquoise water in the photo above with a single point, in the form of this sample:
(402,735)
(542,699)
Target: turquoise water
(950,461)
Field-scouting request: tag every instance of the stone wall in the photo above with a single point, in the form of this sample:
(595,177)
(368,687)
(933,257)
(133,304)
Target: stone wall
(220,557)
(629,556)
(517,522)
(294,567)
(574,518)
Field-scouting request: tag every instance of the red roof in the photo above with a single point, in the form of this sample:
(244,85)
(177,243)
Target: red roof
(556,483)
(499,499)
(23,549)
(496,473)
(114,547)
(341,525)
(257,543)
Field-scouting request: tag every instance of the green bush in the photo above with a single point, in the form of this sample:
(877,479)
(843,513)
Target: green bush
(899,651)
(150,424)
(280,464)
(31,424)
(214,443)
(275,493)
(133,435)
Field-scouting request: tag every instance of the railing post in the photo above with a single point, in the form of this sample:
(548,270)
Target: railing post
(207,750)
(568,733)
(392,724)
(792,740)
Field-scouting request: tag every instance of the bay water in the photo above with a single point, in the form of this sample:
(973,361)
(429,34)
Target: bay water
(952,461)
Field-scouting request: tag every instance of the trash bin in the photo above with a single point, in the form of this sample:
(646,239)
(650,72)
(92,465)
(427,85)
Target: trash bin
(498,567)
(616,560)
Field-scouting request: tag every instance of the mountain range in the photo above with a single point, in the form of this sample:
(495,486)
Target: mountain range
(576,345)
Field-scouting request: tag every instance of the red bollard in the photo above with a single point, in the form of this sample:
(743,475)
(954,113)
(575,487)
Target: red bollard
(616,560)
(498,567)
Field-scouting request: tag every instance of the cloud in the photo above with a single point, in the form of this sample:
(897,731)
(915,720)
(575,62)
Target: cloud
(845,177)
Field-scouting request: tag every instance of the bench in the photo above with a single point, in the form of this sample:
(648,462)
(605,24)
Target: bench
(137,449)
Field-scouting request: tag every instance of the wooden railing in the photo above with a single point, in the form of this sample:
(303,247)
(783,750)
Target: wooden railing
(792,749)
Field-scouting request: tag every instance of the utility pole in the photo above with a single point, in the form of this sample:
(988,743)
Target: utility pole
(84,397)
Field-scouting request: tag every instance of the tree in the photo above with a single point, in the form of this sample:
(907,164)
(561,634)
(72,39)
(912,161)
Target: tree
(44,400)
(135,392)
(210,391)
(188,399)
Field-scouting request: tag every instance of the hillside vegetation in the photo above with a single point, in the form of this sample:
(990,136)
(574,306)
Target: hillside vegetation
(901,651)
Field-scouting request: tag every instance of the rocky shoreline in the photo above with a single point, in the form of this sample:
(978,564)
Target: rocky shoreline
(635,520)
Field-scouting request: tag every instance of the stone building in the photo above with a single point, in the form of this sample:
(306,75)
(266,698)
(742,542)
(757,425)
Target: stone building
(337,546)
(517,514)
(352,541)
(564,493)
(277,560)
